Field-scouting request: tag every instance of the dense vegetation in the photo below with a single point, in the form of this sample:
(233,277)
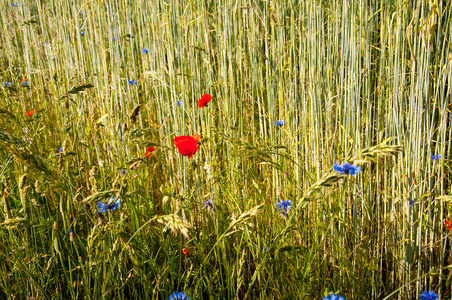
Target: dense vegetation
(90,210)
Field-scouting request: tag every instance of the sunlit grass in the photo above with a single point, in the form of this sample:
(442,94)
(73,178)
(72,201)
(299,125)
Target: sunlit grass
(297,86)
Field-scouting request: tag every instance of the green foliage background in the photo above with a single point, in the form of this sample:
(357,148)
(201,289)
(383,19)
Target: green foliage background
(368,82)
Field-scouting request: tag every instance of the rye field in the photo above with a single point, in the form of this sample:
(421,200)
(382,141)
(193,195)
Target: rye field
(220,149)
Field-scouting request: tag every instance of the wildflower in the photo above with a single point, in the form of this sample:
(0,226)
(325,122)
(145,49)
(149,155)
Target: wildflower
(412,202)
(71,235)
(30,113)
(25,82)
(82,33)
(428,295)
(145,51)
(209,204)
(449,224)
(110,148)
(54,58)
(187,145)
(114,39)
(279,123)
(347,169)
(435,157)
(15,4)
(204,100)
(208,168)
(178,103)
(132,82)
(185,251)
(148,152)
(333,297)
(178,296)
(209,171)
(111,205)
(7,83)
(123,172)
(284,206)
(61,149)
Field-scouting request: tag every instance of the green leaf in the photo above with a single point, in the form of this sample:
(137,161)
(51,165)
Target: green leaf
(30,21)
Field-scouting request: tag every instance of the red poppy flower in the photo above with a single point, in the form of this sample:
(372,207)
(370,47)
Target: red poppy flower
(449,224)
(187,145)
(148,153)
(30,113)
(185,251)
(204,100)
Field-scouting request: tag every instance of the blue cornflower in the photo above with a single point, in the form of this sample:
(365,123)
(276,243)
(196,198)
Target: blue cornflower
(123,172)
(178,102)
(145,51)
(435,157)
(284,206)
(110,205)
(7,83)
(15,4)
(428,295)
(347,168)
(82,33)
(279,123)
(132,82)
(54,58)
(25,83)
(178,296)
(412,202)
(333,297)
(61,149)
(209,204)
(114,39)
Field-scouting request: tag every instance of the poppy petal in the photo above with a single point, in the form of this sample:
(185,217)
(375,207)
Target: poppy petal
(187,145)
(204,100)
